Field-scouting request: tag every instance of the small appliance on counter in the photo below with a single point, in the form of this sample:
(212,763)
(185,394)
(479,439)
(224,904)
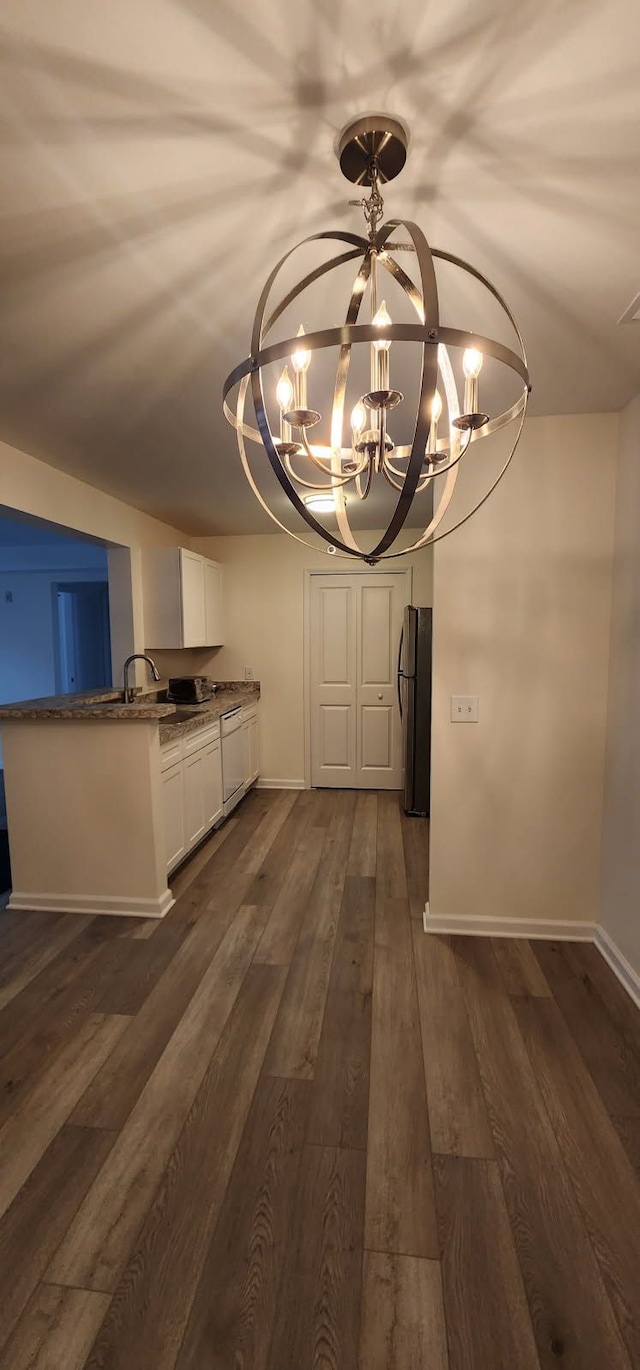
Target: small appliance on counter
(190,689)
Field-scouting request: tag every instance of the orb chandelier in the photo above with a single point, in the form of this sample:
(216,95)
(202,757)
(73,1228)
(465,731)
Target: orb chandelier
(327,463)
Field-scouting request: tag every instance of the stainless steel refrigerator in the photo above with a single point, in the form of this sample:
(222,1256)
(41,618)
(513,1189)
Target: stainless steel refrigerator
(414,700)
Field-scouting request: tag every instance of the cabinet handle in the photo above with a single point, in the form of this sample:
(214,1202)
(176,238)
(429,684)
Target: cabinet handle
(379,696)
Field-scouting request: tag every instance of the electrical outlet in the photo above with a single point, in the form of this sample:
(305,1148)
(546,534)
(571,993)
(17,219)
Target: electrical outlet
(248,672)
(464,708)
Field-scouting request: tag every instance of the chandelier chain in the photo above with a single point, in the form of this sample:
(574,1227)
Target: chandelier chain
(373,208)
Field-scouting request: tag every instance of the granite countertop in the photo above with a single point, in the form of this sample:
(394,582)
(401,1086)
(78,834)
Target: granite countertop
(189,717)
(109,704)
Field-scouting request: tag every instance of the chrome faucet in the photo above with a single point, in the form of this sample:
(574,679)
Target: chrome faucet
(137,656)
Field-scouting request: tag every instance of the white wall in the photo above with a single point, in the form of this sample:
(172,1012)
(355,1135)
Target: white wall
(263,588)
(620,915)
(522,616)
(32,487)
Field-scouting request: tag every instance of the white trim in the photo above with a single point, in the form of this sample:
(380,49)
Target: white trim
(628,977)
(263,784)
(117,905)
(471,926)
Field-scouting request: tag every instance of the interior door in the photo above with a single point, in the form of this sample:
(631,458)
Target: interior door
(333,660)
(354,630)
(379,623)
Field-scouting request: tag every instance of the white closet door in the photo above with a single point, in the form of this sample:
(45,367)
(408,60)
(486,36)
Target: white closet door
(354,627)
(378,741)
(333,659)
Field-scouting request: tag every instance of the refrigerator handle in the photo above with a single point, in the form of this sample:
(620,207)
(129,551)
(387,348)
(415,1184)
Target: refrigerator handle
(400,671)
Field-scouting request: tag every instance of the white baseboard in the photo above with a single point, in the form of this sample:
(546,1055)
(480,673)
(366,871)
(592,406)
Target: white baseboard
(544,928)
(628,977)
(117,905)
(263,784)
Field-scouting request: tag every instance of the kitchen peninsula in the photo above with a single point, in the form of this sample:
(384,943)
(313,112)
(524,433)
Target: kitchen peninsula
(105,799)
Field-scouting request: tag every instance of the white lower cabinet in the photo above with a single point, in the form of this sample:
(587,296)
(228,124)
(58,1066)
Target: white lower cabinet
(194,798)
(174,815)
(191,770)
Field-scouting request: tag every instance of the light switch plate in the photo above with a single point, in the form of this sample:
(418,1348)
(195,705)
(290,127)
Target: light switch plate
(464,708)
(248,672)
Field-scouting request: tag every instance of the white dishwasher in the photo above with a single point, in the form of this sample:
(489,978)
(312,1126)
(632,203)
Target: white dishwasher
(235,759)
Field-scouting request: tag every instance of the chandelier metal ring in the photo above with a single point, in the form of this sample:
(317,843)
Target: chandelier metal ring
(428,455)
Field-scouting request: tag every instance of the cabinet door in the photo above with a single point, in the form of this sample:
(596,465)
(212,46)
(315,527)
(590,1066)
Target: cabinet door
(194,803)
(193,601)
(214,629)
(254,763)
(212,784)
(174,830)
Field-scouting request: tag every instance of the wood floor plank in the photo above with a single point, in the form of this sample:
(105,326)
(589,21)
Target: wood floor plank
(362,852)
(150,1309)
(402,1315)
(233,1313)
(600,1171)
(19,971)
(62,991)
(278,941)
(193,898)
(57,1330)
(400,1212)
(126,973)
(611,1060)
(589,962)
(519,968)
(116,1088)
(415,837)
(25,1136)
(99,1240)
(628,1130)
(570,1311)
(318,1317)
(269,879)
(458,1119)
(480,1271)
(34,1225)
(185,876)
(340,1108)
(294,1045)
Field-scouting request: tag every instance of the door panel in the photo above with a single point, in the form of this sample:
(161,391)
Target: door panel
(377,738)
(376,618)
(354,630)
(336,635)
(334,736)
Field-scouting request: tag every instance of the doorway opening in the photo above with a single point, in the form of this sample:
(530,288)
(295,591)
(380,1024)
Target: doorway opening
(82,643)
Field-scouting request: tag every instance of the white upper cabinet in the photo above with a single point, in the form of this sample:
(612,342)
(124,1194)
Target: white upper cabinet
(182,599)
(214,620)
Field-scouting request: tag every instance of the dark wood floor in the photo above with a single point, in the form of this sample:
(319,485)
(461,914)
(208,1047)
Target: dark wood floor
(285,1130)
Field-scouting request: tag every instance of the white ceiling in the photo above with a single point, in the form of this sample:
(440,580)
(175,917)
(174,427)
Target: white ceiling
(158,156)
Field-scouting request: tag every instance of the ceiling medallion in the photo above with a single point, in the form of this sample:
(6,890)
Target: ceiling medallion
(320,462)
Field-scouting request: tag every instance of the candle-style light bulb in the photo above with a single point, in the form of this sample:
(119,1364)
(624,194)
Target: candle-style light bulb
(381,348)
(471,365)
(284,392)
(358,420)
(284,396)
(302,355)
(436,410)
(300,360)
(382,319)
(472,362)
